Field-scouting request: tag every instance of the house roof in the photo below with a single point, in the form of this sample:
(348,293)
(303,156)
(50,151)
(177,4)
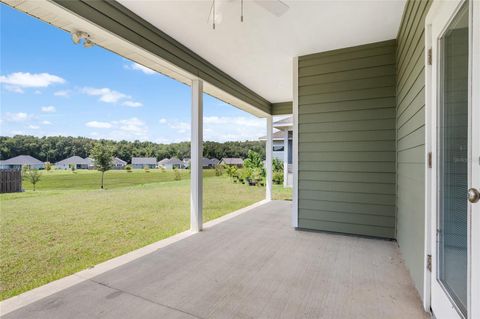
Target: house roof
(232,161)
(119,161)
(74,160)
(144,160)
(22,160)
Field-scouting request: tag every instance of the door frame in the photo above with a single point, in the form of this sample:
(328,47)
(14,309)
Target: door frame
(437,8)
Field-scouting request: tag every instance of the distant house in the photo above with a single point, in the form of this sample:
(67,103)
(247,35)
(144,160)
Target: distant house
(206,162)
(171,163)
(118,163)
(142,162)
(20,161)
(74,161)
(232,161)
(214,161)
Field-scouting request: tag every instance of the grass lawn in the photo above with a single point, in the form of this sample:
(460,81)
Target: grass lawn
(68,224)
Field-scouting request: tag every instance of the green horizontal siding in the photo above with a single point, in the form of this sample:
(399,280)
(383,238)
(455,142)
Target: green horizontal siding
(282,108)
(347,140)
(410,120)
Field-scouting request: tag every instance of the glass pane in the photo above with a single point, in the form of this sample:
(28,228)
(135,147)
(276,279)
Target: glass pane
(453,138)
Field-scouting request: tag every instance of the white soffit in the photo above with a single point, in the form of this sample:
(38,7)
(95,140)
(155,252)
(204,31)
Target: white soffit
(259,51)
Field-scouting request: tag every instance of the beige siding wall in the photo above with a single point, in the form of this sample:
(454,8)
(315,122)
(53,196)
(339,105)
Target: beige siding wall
(411,138)
(347,140)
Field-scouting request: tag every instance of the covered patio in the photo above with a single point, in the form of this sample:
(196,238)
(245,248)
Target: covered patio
(251,266)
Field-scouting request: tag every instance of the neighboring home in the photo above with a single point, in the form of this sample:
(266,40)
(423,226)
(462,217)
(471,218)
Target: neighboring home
(74,161)
(118,163)
(171,163)
(91,162)
(214,162)
(206,162)
(20,161)
(232,161)
(142,162)
(282,147)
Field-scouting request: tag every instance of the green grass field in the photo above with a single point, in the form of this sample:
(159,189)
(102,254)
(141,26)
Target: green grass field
(69,224)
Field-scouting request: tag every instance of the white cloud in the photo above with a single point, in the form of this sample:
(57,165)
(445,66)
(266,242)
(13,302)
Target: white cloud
(17,81)
(49,109)
(221,129)
(179,126)
(132,104)
(14,89)
(138,67)
(126,129)
(46,122)
(133,125)
(106,95)
(64,93)
(97,124)
(34,127)
(17,117)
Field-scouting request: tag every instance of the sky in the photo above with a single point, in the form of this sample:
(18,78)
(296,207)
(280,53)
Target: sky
(50,86)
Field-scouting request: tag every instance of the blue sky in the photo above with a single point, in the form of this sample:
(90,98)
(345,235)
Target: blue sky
(49,86)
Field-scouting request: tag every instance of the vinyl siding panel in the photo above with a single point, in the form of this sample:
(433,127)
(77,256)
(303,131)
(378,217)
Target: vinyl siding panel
(410,120)
(347,133)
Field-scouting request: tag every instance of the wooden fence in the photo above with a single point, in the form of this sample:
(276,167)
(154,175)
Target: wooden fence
(10,181)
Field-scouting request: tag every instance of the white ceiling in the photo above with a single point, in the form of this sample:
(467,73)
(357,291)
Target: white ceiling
(259,51)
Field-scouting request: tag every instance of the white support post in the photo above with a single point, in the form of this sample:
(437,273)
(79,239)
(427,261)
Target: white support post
(295,145)
(285,158)
(269,156)
(196,153)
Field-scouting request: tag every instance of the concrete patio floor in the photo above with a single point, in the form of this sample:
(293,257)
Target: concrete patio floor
(252,266)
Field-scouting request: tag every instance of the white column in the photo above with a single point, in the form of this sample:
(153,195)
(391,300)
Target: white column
(285,159)
(269,155)
(295,145)
(196,153)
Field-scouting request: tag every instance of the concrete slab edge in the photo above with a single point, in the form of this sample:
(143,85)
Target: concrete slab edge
(31,296)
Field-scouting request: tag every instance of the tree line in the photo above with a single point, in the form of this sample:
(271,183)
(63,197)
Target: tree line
(56,148)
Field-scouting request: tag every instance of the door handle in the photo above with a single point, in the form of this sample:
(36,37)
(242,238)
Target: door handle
(473,195)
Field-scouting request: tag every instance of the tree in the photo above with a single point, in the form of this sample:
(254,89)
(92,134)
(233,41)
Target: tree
(32,175)
(253,160)
(277,165)
(102,154)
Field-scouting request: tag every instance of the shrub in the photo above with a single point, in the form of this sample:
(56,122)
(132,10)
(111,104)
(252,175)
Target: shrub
(32,175)
(277,177)
(128,168)
(277,165)
(176,174)
(146,169)
(48,166)
(219,170)
(72,167)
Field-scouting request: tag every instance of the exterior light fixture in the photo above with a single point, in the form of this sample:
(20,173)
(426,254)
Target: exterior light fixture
(77,37)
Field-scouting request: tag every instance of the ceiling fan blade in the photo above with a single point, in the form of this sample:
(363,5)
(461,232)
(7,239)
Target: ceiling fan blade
(276,7)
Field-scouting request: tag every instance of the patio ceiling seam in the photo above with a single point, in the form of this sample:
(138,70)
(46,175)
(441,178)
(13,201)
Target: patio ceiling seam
(115,18)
